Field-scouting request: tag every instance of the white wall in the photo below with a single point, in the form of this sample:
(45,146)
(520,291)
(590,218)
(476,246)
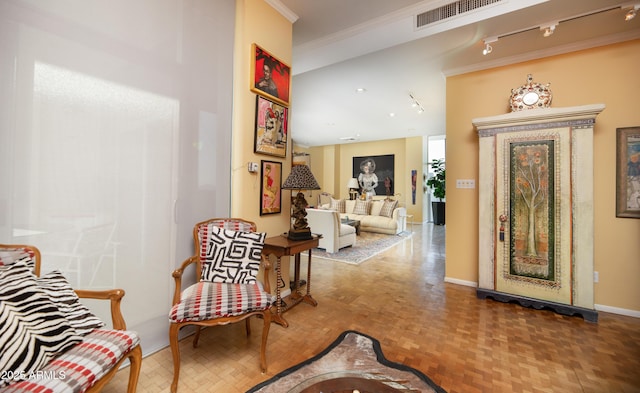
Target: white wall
(115,122)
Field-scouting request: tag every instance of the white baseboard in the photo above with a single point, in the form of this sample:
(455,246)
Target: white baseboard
(461,282)
(618,310)
(598,307)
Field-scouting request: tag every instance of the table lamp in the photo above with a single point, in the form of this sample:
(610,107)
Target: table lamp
(300,179)
(353,188)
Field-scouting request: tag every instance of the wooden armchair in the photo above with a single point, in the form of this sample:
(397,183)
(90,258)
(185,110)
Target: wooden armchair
(87,368)
(227,260)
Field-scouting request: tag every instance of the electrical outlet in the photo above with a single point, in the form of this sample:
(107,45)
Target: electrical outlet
(596,276)
(465,183)
(252,167)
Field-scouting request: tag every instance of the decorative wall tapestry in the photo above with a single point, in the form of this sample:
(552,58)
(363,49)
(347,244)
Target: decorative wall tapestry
(270,183)
(628,172)
(272,122)
(375,174)
(414,178)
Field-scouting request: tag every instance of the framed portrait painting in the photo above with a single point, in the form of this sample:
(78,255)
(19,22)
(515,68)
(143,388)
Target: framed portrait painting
(628,172)
(272,122)
(270,77)
(270,183)
(375,174)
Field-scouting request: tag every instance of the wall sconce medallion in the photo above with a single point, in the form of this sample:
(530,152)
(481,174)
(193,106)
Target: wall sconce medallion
(531,95)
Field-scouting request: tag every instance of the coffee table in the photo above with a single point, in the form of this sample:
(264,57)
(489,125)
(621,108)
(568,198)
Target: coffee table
(353,223)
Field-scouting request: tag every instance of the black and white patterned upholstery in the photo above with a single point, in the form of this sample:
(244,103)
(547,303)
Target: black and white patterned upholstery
(33,329)
(231,257)
(78,315)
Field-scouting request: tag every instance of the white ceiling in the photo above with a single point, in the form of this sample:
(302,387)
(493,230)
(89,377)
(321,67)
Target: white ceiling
(342,45)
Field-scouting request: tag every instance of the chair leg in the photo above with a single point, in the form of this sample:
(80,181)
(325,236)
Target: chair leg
(248,326)
(266,316)
(175,351)
(135,359)
(196,337)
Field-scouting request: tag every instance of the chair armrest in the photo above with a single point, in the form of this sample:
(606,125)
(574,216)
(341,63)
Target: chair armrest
(113,295)
(177,276)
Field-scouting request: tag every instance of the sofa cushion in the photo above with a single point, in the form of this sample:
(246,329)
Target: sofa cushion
(362,207)
(388,207)
(82,366)
(32,328)
(208,300)
(230,256)
(59,290)
(337,205)
(346,229)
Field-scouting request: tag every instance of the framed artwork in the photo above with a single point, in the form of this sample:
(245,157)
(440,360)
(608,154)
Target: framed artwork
(375,174)
(628,172)
(272,123)
(269,76)
(270,183)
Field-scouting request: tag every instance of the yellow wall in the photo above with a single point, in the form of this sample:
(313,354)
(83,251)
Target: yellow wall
(256,22)
(335,164)
(605,75)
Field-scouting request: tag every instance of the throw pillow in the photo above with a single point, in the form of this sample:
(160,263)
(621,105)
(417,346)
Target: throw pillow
(33,328)
(231,257)
(337,205)
(361,208)
(59,290)
(388,207)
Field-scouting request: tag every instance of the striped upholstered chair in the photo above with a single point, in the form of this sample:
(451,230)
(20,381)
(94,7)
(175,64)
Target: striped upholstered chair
(228,257)
(50,342)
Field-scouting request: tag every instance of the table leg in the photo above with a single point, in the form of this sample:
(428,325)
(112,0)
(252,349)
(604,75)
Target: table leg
(307,297)
(295,291)
(278,318)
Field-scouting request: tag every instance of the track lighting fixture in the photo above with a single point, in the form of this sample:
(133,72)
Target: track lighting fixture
(488,48)
(416,104)
(548,29)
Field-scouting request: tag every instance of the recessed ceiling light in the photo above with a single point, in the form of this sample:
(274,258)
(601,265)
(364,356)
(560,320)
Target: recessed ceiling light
(392,114)
(361,90)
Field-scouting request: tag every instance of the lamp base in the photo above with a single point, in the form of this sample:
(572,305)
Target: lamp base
(300,234)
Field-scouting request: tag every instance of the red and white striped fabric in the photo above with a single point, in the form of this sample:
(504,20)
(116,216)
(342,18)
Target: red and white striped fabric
(82,366)
(209,300)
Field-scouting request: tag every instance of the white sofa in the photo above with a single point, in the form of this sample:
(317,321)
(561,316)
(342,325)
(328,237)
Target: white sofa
(374,220)
(335,235)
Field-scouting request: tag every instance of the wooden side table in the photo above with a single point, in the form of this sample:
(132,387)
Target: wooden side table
(281,246)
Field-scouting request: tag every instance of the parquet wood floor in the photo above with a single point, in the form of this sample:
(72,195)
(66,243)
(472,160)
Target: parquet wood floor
(464,344)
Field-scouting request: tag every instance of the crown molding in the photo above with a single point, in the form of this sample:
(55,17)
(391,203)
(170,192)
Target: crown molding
(283,10)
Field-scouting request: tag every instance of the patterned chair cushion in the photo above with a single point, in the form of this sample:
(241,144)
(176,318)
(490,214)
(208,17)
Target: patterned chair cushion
(82,366)
(33,330)
(338,205)
(230,256)
(388,207)
(59,290)
(10,256)
(362,207)
(210,300)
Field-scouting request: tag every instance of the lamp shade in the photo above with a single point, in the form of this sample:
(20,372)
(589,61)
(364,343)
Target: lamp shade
(353,183)
(300,178)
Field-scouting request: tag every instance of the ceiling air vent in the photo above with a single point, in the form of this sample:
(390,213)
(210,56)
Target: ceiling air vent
(451,9)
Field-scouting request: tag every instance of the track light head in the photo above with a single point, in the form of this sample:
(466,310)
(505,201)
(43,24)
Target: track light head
(631,8)
(488,48)
(548,28)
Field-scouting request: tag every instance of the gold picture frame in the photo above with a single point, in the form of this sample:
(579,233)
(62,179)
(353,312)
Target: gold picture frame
(270,77)
(628,172)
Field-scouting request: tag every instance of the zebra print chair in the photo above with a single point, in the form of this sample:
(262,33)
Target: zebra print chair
(50,342)
(228,256)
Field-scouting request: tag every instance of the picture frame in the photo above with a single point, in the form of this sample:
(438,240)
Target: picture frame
(382,174)
(628,172)
(270,76)
(270,187)
(271,128)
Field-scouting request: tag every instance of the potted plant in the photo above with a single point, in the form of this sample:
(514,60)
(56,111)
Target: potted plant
(437,185)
